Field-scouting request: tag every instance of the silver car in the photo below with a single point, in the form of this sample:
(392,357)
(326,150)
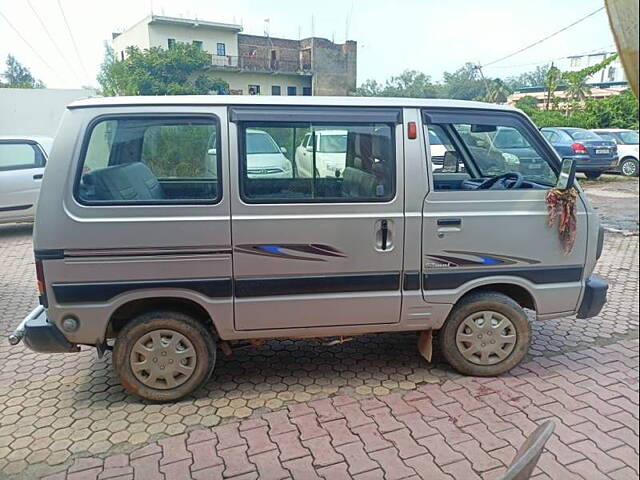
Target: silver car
(22,161)
(144,250)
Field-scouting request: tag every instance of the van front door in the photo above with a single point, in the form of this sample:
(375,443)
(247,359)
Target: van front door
(485,217)
(322,250)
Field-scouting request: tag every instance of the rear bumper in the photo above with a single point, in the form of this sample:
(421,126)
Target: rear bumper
(596,166)
(594,298)
(40,335)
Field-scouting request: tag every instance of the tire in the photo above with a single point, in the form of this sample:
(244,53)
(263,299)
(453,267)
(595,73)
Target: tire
(629,167)
(471,309)
(593,175)
(185,351)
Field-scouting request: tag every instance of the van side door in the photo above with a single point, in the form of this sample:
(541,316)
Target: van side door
(317,251)
(476,234)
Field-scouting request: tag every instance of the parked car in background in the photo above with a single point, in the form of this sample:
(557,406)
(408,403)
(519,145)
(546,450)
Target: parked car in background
(627,141)
(330,154)
(593,154)
(22,161)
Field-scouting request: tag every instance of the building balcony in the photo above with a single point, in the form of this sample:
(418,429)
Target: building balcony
(259,64)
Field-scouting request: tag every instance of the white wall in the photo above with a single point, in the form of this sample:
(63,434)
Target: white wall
(25,111)
(159,33)
(138,36)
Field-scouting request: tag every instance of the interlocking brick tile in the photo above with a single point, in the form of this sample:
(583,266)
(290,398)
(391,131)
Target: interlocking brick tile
(404,443)
(461,469)
(147,467)
(587,469)
(448,428)
(442,453)
(177,470)
(594,453)
(309,427)
(568,435)
(258,440)
(289,446)
(385,421)
(302,468)
(513,436)
(626,435)
(626,405)
(626,455)
(210,473)
(419,428)
(88,474)
(626,473)
(325,410)
(370,404)
(174,449)
(85,464)
(549,465)
(603,440)
(562,452)
(377,474)
(268,466)
(480,460)
(252,423)
(426,469)
(487,440)
(393,467)
(568,418)
(229,436)
(398,405)
(300,409)
(204,454)
(566,400)
(487,416)
(279,423)
(427,409)
(236,461)
(435,394)
(322,451)
(371,437)
(602,422)
(335,472)
(356,458)
(339,432)
(354,415)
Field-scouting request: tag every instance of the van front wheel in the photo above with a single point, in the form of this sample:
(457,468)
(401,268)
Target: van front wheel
(486,334)
(163,356)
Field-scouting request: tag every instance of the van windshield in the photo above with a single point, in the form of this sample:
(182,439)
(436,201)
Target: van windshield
(260,142)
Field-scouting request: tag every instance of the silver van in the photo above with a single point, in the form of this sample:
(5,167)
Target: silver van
(152,243)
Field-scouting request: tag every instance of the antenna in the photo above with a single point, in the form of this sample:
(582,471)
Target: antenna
(313,25)
(267,27)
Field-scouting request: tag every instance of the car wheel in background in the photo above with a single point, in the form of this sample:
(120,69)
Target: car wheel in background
(629,167)
(593,175)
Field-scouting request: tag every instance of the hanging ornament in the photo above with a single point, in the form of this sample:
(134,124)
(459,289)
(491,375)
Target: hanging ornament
(561,206)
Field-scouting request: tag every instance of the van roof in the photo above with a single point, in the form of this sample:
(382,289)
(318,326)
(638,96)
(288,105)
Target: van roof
(284,101)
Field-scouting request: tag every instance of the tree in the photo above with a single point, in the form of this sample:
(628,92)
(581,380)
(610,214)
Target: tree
(497,91)
(527,104)
(465,83)
(18,76)
(551,81)
(156,71)
(409,83)
(534,78)
(577,88)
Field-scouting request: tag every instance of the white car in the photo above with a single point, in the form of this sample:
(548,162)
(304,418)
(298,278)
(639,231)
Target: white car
(330,155)
(627,141)
(22,161)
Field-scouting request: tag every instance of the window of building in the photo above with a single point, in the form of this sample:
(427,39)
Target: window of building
(306,91)
(254,89)
(576,61)
(611,75)
(171,43)
(151,160)
(197,44)
(305,162)
(275,90)
(221,49)
(292,91)
(17,155)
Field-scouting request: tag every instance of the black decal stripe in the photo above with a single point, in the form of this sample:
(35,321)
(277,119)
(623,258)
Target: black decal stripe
(104,291)
(411,281)
(14,208)
(300,285)
(454,279)
(51,254)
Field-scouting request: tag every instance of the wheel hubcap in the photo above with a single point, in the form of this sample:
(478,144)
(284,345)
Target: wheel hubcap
(486,338)
(163,359)
(629,168)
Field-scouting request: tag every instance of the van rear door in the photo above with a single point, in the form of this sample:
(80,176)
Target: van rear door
(322,250)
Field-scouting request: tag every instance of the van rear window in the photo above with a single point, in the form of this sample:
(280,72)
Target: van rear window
(132,160)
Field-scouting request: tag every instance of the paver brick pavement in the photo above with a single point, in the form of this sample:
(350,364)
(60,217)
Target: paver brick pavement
(370,408)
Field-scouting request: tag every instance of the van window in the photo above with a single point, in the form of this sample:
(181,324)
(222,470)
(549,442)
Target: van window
(16,155)
(151,160)
(488,151)
(305,162)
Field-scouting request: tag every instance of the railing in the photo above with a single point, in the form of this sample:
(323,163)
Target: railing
(259,64)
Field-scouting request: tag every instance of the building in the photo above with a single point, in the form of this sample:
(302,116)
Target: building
(608,81)
(252,64)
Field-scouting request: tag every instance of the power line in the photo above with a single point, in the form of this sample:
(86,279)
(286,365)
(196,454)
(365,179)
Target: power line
(549,60)
(53,41)
(73,40)
(29,45)
(543,39)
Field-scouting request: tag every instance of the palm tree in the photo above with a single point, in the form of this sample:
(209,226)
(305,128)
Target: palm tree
(551,81)
(497,92)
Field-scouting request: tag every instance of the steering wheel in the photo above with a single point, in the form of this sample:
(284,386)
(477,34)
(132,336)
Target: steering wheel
(506,181)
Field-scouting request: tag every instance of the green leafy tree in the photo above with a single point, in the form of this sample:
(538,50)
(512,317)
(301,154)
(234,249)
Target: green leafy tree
(497,91)
(18,76)
(157,71)
(409,83)
(577,88)
(527,104)
(534,78)
(551,82)
(464,84)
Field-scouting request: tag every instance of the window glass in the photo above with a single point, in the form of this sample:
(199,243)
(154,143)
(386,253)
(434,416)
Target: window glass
(583,135)
(254,89)
(16,156)
(305,162)
(306,91)
(275,90)
(292,91)
(608,136)
(151,160)
(221,49)
(171,43)
(197,44)
(629,138)
(496,150)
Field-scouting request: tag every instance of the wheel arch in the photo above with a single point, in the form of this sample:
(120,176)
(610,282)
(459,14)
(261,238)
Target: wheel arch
(518,293)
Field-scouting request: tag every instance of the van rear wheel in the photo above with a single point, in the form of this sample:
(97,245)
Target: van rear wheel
(163,356)
(486,334)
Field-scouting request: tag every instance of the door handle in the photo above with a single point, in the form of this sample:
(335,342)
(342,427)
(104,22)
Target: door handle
(37,176)
(383,235)
(449,222)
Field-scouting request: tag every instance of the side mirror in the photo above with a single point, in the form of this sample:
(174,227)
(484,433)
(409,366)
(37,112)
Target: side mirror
(450,162)
(212,151)
(283,149)
(567,176)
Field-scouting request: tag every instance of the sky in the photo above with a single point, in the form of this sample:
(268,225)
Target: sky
(432,36)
